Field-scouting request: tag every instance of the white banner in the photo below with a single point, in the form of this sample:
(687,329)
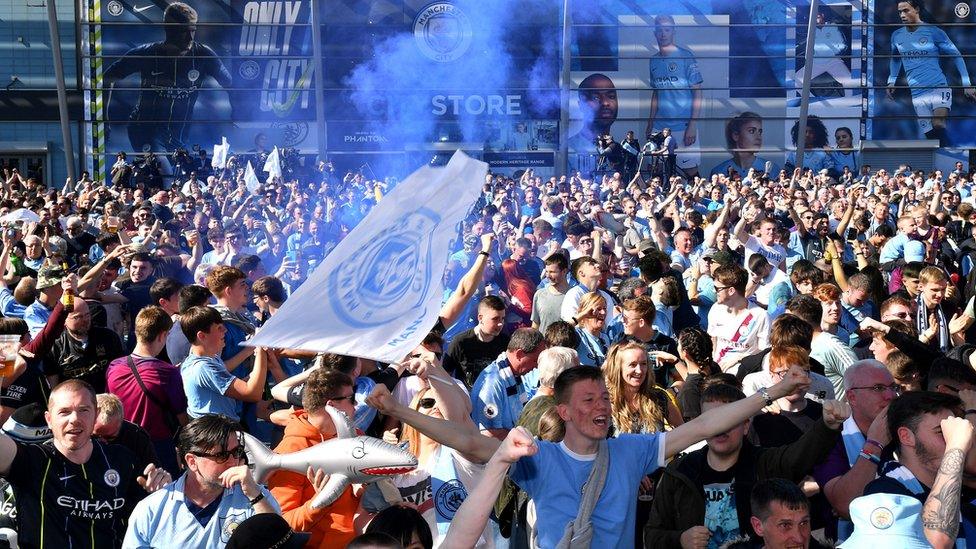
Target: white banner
(273,164)
(219,159)
(379,292)
(251,179)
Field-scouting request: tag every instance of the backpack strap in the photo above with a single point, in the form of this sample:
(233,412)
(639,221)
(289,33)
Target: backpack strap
(579,532)
(168,416)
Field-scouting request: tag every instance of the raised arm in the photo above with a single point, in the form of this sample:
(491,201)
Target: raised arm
(849,212)
(936,202)
(800,227)
(711,233)
(940,514)
(739,232)
(252,389)
(280,390)
(837,265)
(196,255)
(721,419)
(95,273)
(454,306)
(452,401)
(474,446)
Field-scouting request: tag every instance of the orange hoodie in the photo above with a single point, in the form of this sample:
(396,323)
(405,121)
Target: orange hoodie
(332,526)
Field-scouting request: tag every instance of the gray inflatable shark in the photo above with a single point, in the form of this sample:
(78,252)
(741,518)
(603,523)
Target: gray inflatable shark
(348,459)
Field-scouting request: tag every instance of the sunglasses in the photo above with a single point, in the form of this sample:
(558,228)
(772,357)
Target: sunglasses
(237,452)
(351,398)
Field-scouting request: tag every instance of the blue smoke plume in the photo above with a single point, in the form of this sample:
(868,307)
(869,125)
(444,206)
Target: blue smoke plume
(503,51)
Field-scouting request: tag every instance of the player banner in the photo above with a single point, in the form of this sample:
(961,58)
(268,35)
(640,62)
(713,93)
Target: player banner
(402,75)
(923,68)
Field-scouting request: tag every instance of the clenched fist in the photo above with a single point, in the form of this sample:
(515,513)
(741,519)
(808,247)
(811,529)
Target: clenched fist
(835,413)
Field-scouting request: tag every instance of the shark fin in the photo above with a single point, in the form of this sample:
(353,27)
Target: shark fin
(334,488)
(344,426)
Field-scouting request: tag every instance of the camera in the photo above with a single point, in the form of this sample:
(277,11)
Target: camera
(657,138)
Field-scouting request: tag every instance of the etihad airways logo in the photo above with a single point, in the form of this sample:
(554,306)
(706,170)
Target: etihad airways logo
(91,508)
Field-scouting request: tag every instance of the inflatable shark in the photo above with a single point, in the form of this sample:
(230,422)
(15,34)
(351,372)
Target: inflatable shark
(347,458)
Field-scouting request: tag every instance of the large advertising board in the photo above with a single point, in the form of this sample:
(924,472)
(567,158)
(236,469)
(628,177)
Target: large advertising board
(411,75)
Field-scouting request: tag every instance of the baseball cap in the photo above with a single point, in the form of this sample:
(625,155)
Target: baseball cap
(914,251)
(49,275)
(886,520)
(264,531)
(27,424)
(723,257)
(646,245)
(709,253)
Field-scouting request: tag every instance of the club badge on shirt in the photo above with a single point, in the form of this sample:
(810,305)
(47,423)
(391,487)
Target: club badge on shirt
(112,478)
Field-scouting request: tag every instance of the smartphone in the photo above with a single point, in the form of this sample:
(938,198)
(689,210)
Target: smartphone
(851,233)
(291,255)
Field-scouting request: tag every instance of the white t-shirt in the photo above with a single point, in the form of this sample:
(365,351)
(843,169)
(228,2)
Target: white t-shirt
(776,254)
(766,286)
(737,336)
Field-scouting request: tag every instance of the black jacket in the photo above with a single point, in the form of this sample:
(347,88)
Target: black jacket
(679,501)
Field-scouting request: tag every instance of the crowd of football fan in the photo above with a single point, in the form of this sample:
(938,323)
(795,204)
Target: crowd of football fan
(767,360)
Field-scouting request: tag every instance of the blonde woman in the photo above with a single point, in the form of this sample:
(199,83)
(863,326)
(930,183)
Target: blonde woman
(591,320)
(440,468)
(638,405)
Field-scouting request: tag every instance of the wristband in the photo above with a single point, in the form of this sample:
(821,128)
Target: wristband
(256,499)
(879,446)
(764,392)
(486,254)
(870,457)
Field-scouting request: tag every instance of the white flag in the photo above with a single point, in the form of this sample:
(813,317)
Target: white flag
(379,292)
(251,180)
(273,164)
(220,152)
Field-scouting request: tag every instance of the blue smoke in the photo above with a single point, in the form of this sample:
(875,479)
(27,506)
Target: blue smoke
(503,51)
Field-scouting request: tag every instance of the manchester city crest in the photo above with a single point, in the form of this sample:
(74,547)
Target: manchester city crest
(112,478)
(230,523)
(249,69)
(390,276)
(449,498)
(442,31)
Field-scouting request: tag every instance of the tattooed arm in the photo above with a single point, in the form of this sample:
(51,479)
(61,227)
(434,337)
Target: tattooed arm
(940,515)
